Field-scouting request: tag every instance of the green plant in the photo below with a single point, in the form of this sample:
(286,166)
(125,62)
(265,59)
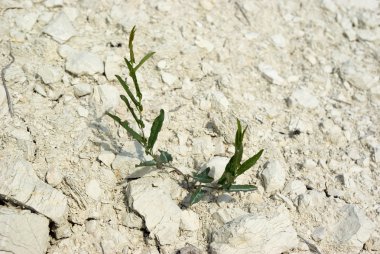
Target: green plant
(199,183)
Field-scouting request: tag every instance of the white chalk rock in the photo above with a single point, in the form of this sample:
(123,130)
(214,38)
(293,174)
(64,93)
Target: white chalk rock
(189,221)
(168,78)
(21,184)
(219,100)
(106,157)
(217,166)
(26,22)
(113,66)
(250,234)
(53,3)
(60,28)
(84,63)
(357,76)
(375,94)
(273,176)
(225,215)
(109,95)
(279,41)
(23,232)
(305,98)
(353,229)
(161,214)
(82,89)
(93,190)
(270,74)
(204,44)
(50,74)
(295,188)
(53,177)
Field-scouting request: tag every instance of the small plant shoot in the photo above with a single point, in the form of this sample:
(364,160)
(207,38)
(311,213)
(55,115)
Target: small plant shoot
(198,184)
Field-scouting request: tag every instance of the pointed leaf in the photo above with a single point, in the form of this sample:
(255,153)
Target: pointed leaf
(130,94)
(156,127)
(138,121)
(146,163)
(165,157)
(132,74)
(203,176)
(197,196)
(143,60)
(244,187)
(249,163)
(130,44)
(130,131)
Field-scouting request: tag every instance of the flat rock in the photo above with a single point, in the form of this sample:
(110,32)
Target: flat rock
(225,215)
(50,74)
(252,233)
(21,185)
(26,22)
(168,78)
(352,229)
(270,74)
(23,232)
(273,176)
(82,89)
(60,28)
(357,75)
(305,98)
(84,63)
(109,95)
(161,214)
(189,221)
(217,166)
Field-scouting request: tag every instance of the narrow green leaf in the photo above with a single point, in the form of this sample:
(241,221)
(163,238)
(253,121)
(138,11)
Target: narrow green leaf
(132,74)
(165,157)
(138,121)
(143,60)
(126,88)
(250,162)
(197,196)
(146,163)
(238,147)
(130,44)
(203,176)
(156,128)
(244,187)
(130,131)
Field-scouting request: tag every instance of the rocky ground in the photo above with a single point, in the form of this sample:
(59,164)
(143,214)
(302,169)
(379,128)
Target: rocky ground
(303,75)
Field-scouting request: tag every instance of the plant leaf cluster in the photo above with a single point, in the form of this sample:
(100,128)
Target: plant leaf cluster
(201,182)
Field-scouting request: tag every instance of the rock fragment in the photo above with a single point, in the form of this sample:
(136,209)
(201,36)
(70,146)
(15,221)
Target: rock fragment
(189,221)
(109,95)
(217,166)
(50,74)
(270,74)
(250,234)
(273,176)
(106,157)
(93,190)
(305,98)
(353,229)
(27,21)
(23,232)
(160,212)
(168,78)
(60,28)
(54,177)
(357,75)
(225,215)
(84,63)
(113,66)
(82,89)
(21,185)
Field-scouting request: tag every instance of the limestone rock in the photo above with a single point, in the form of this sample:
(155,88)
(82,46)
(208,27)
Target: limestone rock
(60,28)
(217,166)
(189,221)
(23,232)
(249,234)
(82,89)
(357,75)
(84,63)
(225,215)
(113,66)
(161,214)
(93,190)
(353,229)
(270,74)
(305,98)
(109,95)
(273,176)
(21,184)
(50,74)
(168,78)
